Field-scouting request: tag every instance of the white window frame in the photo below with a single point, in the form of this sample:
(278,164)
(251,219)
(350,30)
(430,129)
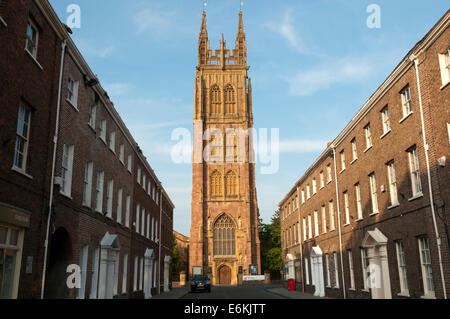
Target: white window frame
(416,182)
(94,273)
(308,192)
(314,186)
(368,133)
(119,206)
(365,265)
(307,271)
(137,217)
(99,192)
(392,179)
(103,130)
(72,91)
(112,141)
(322,180)
(23,119)
(346,208)
(373,193)
(330,177)
(141,273)
(143,222)
(139,175)
(303,196)
(342,154)
(310,234)
(336,270)
(87,189)
(331,212)
(406,101)
(122,153)
(358,201)
(354,150)
(116,274)
(67,169)
(351,269)
(427,272)
(130,164)
(402,270)
(327,262)
(386,121)
(127,211)
(444,62)
(109,198)
(84,253)
(34,43)
(135,274)
(92,117)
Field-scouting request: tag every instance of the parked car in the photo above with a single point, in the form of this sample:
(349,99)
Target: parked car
(200,283)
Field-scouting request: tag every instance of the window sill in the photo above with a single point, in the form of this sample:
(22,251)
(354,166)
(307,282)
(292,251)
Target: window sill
(352,289)
(329,182)
(430,296)
(360,219)
(103,140)
(365,290)
(92,128)
(367,149)
(384,135)
(374,213)
(72,105)
(342,171)
(442,87)
(352,162)
(22,172)
(3,22)
(348,224)
(112,151)
(34,59)
(66,195)
(393,206)
(405,117)
(419,195)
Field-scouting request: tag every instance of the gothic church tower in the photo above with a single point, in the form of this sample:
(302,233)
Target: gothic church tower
(224,239)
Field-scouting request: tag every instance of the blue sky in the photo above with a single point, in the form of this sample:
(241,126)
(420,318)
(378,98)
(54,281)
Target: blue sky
(313,65)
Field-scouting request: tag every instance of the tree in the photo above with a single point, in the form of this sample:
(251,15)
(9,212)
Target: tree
(270,237)
(175,257)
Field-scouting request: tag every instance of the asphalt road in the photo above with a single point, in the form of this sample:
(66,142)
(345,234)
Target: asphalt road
(242,292)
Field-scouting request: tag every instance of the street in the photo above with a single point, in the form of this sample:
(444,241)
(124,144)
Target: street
(242,292)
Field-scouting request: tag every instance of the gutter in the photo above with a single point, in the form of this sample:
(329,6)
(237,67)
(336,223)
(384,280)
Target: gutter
(415,59)
(55,144)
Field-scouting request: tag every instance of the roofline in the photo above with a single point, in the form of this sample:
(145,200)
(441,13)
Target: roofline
(60,30)
(398,72)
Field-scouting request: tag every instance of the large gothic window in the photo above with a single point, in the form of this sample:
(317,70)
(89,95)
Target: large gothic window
(230,100)
(231,184)
(216,184)
(216,100)
(224,237)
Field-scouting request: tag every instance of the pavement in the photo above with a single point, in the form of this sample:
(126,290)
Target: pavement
(175,293)
(292,294)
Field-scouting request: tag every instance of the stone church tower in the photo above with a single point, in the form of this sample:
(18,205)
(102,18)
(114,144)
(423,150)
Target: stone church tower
(224,240)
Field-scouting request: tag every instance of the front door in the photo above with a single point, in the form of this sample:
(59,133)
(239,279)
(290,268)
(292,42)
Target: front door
(224,275)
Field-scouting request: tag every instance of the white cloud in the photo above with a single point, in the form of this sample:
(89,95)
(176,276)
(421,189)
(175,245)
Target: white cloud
(116,89)
(286,29)
(154,22)
(302,146)
(90,49)
(322,76)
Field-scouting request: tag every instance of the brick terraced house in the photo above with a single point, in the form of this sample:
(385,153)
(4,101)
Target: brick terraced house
(75,188)
(369,218)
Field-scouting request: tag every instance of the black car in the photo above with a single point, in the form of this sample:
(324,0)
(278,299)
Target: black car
(200,283)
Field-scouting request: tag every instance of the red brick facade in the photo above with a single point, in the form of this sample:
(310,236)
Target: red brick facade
(110,235)
(391,233)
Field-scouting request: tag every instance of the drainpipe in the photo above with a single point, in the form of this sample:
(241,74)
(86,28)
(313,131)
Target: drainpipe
(333,147)
(300,240)
(159,242)
(55,144)
(426,147)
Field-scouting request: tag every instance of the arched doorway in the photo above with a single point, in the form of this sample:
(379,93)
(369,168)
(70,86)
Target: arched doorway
(60,254)
(224,275)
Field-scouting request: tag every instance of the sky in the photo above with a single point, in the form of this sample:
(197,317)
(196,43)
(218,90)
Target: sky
(313,66)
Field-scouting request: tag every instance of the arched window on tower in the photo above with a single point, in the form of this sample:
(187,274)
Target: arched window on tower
(231,184)
(224,237)
(230,100)
(215,100)
(216,184)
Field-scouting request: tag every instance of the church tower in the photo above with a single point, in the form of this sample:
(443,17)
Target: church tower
(224,240)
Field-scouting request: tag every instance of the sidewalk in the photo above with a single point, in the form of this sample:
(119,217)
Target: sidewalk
(292,294)
(175,293)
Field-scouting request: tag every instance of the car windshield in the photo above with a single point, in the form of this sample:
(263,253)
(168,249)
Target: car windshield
(198,278)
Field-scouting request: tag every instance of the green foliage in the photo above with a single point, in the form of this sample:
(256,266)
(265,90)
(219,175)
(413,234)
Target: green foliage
(175,257)
(270,237)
